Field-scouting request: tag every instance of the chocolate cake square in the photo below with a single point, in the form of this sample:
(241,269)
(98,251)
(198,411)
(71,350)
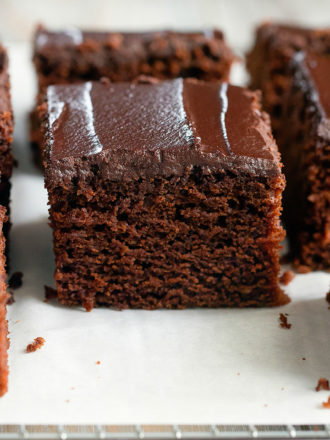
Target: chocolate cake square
(6,135)
(4,342)
(162,195)
(73,55)
(292,68)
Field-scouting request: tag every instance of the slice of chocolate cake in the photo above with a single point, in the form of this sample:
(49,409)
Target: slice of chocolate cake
(306,155)
(73,55)
(291,66)
(4,342)
(6,135)
(162,195)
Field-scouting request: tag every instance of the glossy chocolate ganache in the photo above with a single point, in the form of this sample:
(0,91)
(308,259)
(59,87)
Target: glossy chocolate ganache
(132,130)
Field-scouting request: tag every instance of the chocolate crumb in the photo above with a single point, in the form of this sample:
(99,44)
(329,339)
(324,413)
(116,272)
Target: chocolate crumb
(50,293)
(303,359)
(36,345)
(326,404)
(10,299)
(16,280)
(284,321)
(287,277)
(104,80)
(323,384)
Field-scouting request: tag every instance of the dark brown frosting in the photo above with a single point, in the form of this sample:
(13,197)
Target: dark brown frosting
(132,130)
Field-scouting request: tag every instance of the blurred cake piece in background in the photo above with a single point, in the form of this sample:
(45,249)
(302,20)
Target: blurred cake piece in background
(291,66)
(73,55)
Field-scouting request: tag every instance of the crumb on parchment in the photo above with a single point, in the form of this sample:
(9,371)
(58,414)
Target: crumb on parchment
(36,345)
(326,404)
(322,384)
(287,277)
(284,321)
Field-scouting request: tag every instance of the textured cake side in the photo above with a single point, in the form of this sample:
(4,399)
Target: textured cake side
(4,341)
(202,239)
(6,135)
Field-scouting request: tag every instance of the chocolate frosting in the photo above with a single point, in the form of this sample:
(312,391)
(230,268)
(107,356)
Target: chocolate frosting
(133,130)
(311,75)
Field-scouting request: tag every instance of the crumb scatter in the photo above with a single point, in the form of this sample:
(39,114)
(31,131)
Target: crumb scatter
(284,321)
(326,404)
(36,345)
(322,384)
(287,277)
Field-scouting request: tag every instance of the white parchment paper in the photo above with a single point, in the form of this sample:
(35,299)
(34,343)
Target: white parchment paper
(193,366)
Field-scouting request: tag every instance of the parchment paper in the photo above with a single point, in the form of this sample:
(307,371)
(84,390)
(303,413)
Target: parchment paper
(193,366)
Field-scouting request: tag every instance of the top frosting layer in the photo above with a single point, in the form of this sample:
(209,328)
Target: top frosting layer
(160,127)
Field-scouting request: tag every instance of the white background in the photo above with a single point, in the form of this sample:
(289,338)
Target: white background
(194,366)
(236,17)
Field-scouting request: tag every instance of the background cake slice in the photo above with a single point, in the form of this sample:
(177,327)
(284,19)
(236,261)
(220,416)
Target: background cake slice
(292,68)
(162,195)
(4,342)
(306,154)
(73,55)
